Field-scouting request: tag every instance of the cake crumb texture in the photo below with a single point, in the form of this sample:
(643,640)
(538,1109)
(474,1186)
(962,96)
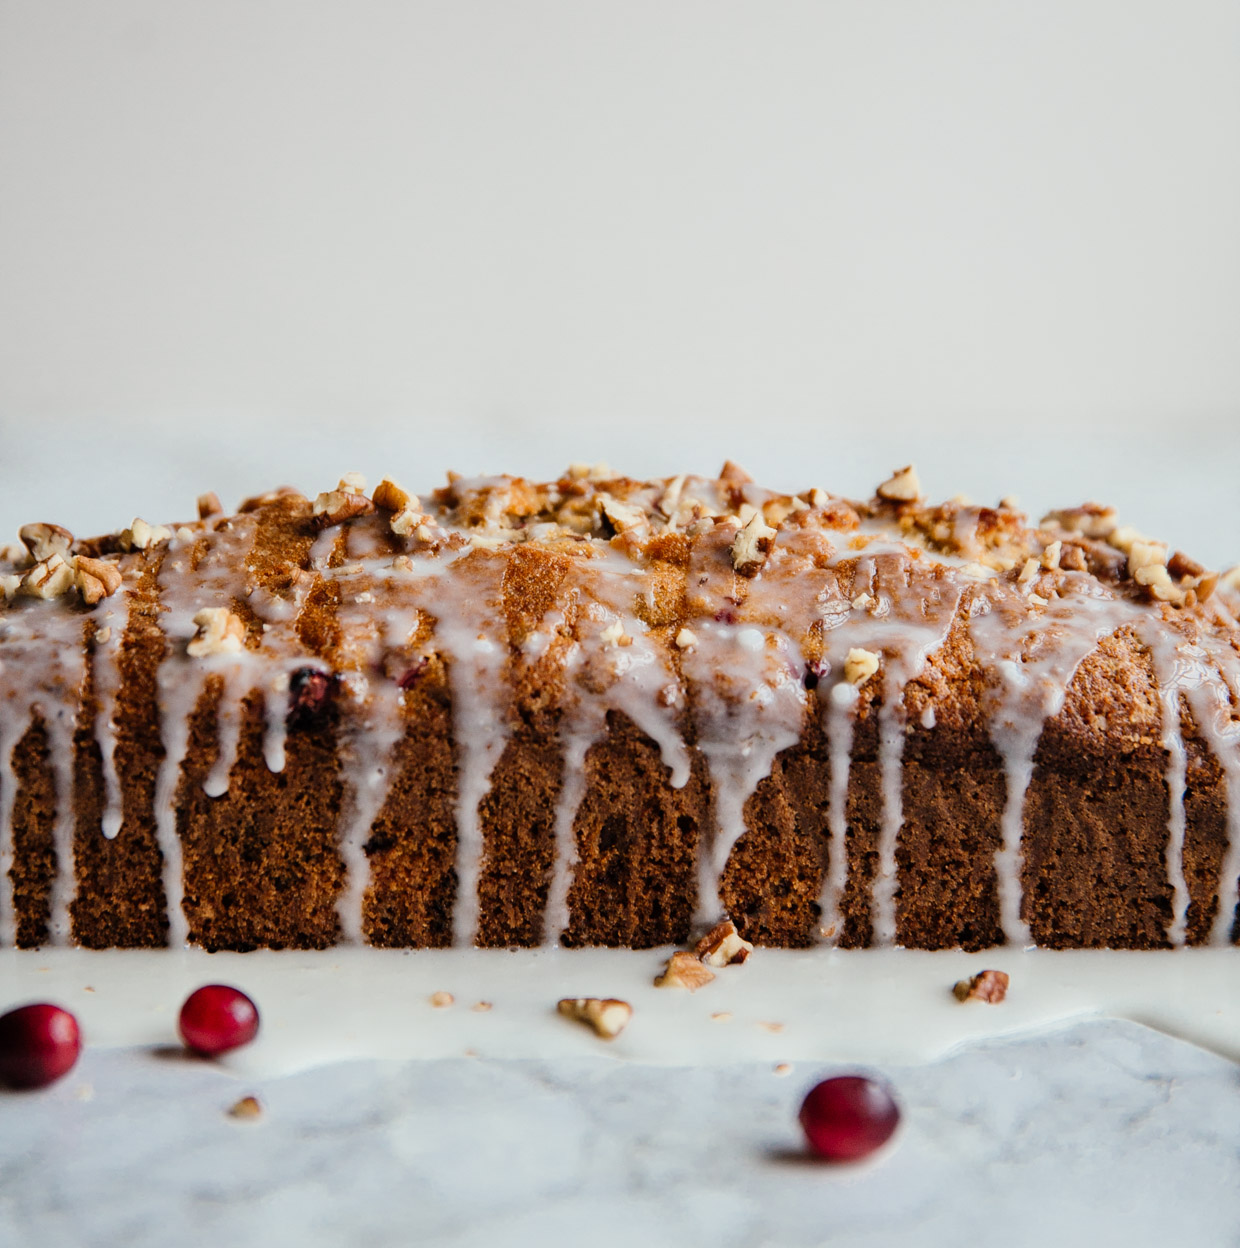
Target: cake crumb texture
(601,710)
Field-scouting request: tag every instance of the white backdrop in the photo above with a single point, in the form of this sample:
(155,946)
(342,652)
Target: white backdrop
(243,243)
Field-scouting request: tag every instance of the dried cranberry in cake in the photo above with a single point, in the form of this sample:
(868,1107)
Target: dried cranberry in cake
(409,677)
(38,1044)
(848,1117)
(310,693)
(217,1018)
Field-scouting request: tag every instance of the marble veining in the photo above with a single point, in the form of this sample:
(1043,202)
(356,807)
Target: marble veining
(1104,1132)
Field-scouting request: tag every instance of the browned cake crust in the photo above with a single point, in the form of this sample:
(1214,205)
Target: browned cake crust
(1125,834)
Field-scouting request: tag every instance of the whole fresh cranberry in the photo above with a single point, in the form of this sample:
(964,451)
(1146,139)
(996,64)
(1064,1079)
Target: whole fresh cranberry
(217,1018)
(310,694)
(38,1044)
(848,1117)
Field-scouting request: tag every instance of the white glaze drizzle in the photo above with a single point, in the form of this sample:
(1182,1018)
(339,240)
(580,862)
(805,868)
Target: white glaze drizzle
(840,708)
(1213,699)
(1034,652)
(745,687)
(628,673)
(906,616)
(42,669)
(742,678)
(218,579)
(1173,672)
(107,681)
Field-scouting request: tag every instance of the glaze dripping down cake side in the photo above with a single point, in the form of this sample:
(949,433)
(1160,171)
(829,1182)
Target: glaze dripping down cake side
(608,711)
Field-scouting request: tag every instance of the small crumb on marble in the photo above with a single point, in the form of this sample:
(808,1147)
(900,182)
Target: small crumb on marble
(988,986)
(607,1017)
(683,970)
(84,1092)
(783,1068)
(721,1016)
(774,1028)
(482,1007)
(723,945)
(247,1107)
(441,1000)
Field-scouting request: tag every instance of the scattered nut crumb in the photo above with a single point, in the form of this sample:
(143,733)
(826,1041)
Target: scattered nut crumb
(723,945)
(441,1000)
(96,579)
(774,1028)
(684,971)
(621,516)
(783,1068)
(209,505)
(613,634)
(686,638)
(391,497)
(670,500)
(1050,556)
(481,1007)
(902,486)
(1090,520)
(342,503)
(219,632)
(859,666)
(45,540)
(49,579)
(142,536)
(1143,554)
(988,986)
(721,1016)
(607,1016)
(246,1107)
(590,472)
(752,545)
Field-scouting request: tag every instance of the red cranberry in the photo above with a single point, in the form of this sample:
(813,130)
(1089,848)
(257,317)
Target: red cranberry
(814,672)
(216,1018)
(848,1117)
(38,1044)
(309,695)
(410,677)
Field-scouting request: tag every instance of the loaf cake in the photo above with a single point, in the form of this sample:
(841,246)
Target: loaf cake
(609,711)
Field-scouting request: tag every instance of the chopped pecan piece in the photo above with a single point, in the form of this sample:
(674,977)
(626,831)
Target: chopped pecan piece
(96,579)
(684,971)
(45,540)
(219,632)
(209,505)
(142,536)
(606,1016)
(49,579)
(988,986)
(337,506)
(723,945)
(903,486)
(752,545)
(859,666)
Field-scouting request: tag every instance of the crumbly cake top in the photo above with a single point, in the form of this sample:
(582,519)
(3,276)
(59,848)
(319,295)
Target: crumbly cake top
(650,520)
(721,618)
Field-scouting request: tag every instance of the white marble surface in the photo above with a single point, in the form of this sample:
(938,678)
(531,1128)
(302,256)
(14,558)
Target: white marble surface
(1103,1133)
(244,244)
